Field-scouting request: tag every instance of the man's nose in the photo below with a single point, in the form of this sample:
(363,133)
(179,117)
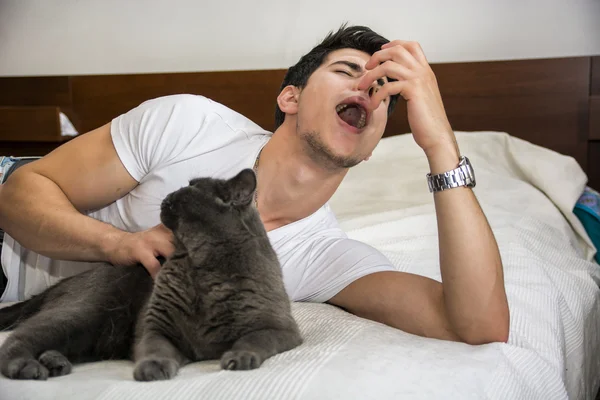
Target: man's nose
(372,88)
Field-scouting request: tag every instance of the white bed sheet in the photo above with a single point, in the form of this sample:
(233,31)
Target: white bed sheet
(527,193)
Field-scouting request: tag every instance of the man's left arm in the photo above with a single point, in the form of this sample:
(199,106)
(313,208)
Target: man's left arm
(470,263)
(471,302)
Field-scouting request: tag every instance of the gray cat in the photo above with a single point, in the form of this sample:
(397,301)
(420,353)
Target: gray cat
(220,295)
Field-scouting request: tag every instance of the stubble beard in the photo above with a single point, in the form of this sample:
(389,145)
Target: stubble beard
(320,153)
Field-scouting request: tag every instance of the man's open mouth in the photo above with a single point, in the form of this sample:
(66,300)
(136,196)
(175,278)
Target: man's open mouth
(353,114)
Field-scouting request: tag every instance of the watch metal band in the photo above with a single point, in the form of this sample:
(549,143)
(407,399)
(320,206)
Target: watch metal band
(463,175)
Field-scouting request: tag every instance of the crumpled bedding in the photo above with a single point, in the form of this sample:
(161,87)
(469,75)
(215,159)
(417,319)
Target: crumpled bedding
(527,193)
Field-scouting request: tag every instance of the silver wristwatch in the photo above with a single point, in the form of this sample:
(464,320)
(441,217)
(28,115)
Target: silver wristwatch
(463,175)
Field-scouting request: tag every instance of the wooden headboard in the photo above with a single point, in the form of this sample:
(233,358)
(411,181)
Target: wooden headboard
(554,103)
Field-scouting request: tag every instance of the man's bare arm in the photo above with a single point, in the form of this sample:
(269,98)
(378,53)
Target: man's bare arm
(470,305)
(470,263)
(41,205)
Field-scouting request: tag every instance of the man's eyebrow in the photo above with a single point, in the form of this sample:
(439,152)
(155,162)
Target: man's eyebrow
(353,66)
(356,68)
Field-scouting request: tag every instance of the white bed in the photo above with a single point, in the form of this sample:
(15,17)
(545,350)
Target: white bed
(527,193)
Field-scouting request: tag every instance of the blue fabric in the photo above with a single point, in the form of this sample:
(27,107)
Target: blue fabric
(587,209)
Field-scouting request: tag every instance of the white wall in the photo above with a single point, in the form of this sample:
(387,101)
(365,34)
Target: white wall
(54,37)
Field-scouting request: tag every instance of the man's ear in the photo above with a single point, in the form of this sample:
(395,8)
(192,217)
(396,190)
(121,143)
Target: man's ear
(288,99)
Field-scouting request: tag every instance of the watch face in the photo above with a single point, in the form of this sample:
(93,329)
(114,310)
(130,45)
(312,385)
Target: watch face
(471,172)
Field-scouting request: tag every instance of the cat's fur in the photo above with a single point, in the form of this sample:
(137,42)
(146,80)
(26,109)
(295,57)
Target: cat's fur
(220,295)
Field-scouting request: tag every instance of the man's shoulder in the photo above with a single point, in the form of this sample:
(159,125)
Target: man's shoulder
(183,100)
(199,106)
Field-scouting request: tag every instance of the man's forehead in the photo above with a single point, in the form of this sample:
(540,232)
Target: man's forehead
(353,55)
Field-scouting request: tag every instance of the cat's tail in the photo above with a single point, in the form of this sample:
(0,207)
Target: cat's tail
(12,315)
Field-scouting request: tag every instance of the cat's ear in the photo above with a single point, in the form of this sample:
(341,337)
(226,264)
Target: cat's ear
(241,187)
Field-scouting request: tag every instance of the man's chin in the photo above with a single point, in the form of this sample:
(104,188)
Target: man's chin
(326,156)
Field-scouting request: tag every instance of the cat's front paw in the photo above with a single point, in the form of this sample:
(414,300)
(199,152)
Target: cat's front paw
(55,362)
(24,368)
(155,369)
(240,360)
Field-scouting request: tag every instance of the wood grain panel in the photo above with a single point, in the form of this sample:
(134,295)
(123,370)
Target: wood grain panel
(30,124)
(35,91)
(545,101)
(593,170)
(514,78)
(542,101)
(594,117)
(595,76)
(98,99)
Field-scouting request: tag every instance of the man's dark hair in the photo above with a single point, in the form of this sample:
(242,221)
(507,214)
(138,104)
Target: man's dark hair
(354,37)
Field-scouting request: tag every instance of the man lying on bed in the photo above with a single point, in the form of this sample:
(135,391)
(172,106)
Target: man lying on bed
(96,198)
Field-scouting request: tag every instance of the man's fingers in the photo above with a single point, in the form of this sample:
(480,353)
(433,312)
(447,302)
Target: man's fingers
(413,47)
(388,69)
(389,89)
(162,241)
(396,53)
(397,42)
(161,228)
(371,76)
(157,230)
(165,249)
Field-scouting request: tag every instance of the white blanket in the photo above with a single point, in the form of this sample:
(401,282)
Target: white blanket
(527,193)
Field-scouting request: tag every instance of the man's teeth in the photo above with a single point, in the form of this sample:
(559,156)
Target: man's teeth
(363,119)
(341,108)
(363,115)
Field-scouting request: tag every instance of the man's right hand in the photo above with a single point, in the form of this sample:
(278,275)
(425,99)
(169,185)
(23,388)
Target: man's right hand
(143,247)
(42,206)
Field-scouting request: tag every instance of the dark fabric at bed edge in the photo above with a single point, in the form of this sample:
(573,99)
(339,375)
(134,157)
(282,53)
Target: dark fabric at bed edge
(3,280)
